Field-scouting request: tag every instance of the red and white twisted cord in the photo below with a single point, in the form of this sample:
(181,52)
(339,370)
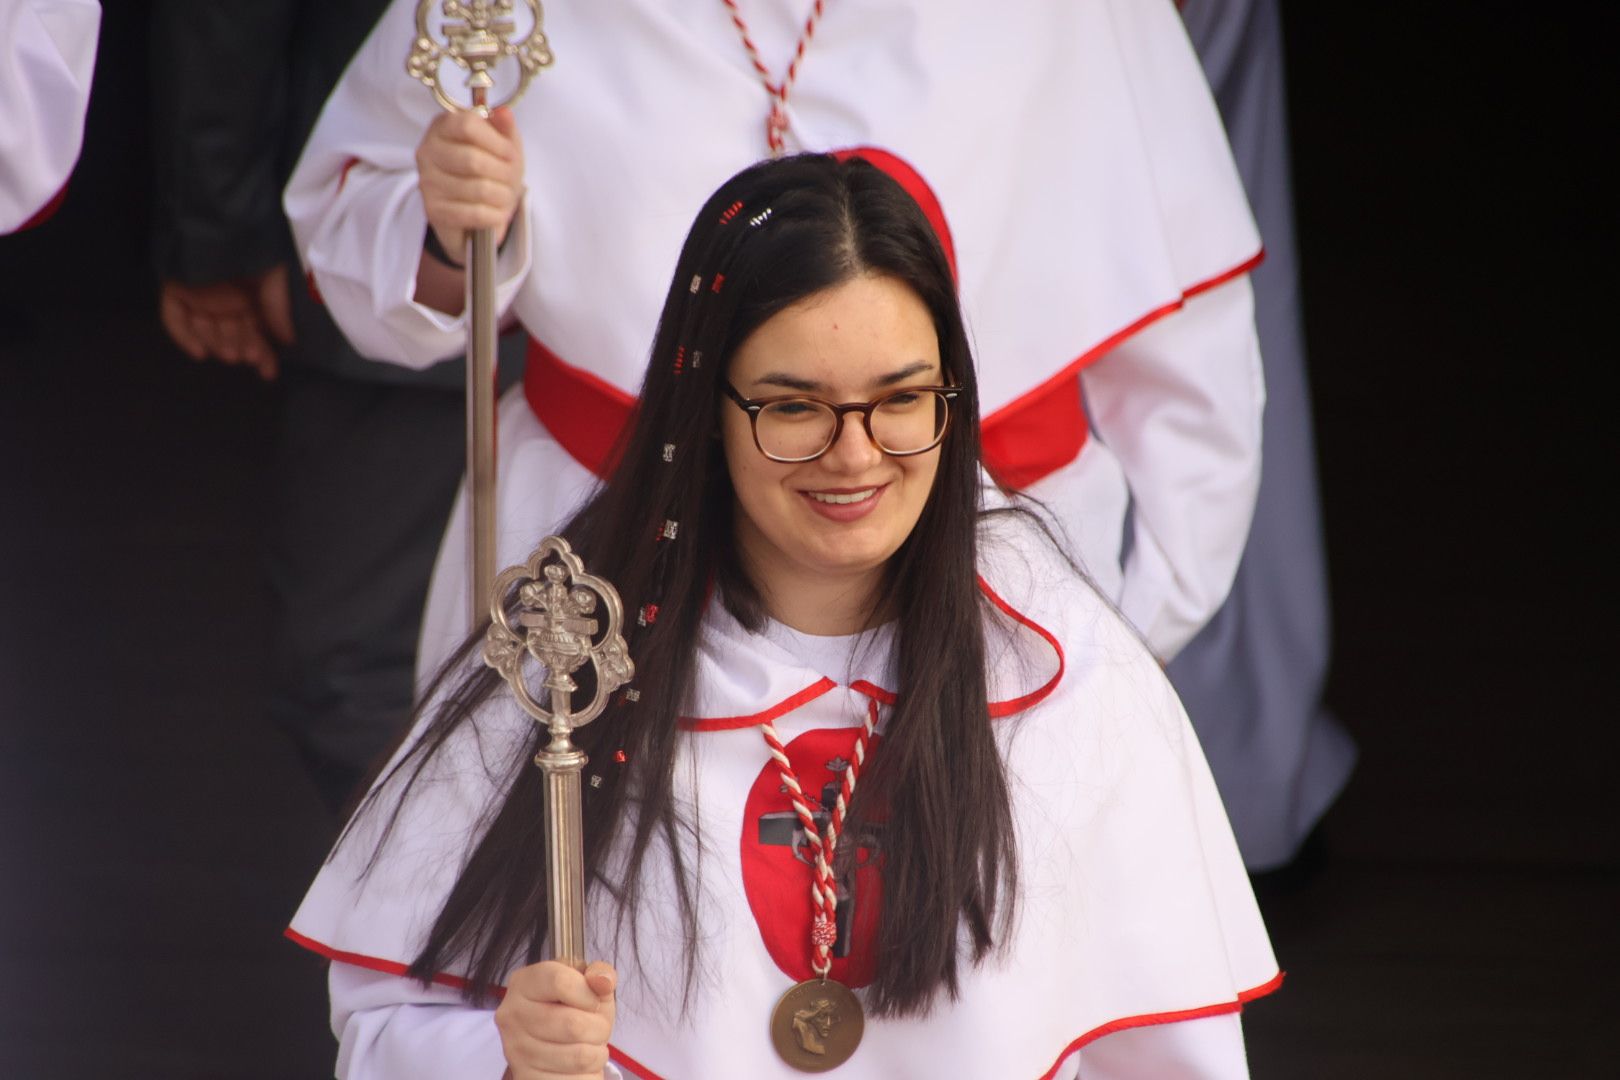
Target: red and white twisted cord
(776,124)
(823,889)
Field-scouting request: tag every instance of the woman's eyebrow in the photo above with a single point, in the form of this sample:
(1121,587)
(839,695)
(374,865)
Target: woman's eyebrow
(809,386)
(896,377)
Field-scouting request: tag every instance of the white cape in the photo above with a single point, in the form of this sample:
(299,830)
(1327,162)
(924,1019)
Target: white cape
(1134,907)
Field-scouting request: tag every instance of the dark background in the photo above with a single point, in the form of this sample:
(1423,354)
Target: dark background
(155,833)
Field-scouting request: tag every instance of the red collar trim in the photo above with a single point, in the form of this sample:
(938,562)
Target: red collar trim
(998,709)
(781,708)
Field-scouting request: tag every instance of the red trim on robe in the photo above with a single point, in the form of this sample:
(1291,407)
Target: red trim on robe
(1033,436)
(883,696)
(625,1061)
(999,709)
(781,708)
(1152,1019)
(584,413)
(46,212)
(392,967)
(372,963)
(1024,441)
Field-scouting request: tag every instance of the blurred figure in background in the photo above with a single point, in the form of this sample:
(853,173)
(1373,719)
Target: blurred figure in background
(1102,240)
(47,57)
(1252,679)
(368,456)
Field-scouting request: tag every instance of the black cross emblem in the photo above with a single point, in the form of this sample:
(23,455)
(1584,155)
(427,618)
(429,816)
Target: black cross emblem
(784,829)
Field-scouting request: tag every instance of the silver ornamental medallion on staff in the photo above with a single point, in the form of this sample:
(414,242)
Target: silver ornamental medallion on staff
(476,35)
(564,618)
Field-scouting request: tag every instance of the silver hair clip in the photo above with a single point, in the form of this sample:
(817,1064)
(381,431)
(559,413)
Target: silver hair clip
(697,283)
(697,358)
(596,780)
(670,528)
(669,451)
(759,218)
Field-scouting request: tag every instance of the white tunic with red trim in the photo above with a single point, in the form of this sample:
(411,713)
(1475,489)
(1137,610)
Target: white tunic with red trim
(1098,225)
(47,55)
(1134,909)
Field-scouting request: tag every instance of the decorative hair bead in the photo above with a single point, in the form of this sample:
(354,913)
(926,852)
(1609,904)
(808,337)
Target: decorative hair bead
(719,280)
(669,447)
(697,283)
(697,359)
(760,218)
(632,695)
(680,359)
(596,780)
(648,615)
(730,212)
(669,530)
(620,756)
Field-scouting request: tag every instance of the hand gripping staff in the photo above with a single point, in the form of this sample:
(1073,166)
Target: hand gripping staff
(563,618)
(476,35)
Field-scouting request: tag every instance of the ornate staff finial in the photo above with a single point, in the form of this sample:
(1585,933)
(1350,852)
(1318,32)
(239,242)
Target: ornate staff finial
(476,35)
(565,618)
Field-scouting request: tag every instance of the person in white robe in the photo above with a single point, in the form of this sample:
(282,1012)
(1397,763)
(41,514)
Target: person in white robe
(804,596)
(1099,230)
(47,57)
(1252,679)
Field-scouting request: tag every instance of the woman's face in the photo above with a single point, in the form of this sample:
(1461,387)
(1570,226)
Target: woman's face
(843,515)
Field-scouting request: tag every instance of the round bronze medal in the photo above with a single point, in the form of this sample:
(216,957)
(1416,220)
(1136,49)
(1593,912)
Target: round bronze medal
(817,1025)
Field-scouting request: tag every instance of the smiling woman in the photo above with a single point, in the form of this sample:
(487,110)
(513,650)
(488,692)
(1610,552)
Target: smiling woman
(815,531)
(896,792)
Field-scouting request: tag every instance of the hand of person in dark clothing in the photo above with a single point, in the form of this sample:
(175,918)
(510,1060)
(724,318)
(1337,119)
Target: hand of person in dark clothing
(233,321)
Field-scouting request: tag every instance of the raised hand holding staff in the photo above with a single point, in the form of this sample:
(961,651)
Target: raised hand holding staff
(471,166)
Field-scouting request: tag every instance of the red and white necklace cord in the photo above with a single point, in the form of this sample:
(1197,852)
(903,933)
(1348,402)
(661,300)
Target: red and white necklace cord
(823,888)
(776,124)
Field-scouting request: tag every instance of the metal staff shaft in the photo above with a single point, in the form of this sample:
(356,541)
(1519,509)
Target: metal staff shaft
(565,848)
(481,338)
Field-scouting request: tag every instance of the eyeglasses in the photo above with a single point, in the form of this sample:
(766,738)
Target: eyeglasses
(795,428)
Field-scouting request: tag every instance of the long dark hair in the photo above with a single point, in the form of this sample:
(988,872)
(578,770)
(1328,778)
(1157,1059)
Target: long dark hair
(771,236)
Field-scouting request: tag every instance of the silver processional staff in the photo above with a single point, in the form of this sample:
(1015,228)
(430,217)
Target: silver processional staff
(476,36)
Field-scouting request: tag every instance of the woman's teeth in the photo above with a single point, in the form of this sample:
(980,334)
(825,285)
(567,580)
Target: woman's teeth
(842,500)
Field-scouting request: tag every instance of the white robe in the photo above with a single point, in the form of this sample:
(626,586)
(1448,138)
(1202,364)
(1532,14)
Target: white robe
(1098,221)
(1137,938)
(47,55)
(1252,679)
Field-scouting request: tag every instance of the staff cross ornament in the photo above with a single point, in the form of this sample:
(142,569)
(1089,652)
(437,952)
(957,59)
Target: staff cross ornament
(553,624)
(475,35)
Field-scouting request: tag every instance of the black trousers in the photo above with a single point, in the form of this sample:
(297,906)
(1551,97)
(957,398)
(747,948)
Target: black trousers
(363,479)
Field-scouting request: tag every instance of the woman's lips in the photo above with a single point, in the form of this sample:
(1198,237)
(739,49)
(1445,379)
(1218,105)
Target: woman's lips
(844,504)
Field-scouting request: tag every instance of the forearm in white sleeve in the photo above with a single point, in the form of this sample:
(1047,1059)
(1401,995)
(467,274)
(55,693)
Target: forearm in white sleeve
(47,55)
(1209,1048)
(1179,405)
(393,1028)
(357,213)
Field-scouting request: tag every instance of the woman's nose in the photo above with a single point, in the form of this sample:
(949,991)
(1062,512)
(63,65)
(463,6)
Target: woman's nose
(853,450)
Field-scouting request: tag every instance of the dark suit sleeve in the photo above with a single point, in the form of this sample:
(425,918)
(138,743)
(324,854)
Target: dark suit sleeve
(220,84)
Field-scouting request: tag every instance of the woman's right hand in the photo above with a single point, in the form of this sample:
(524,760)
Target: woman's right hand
(470,171)
(555,1022)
